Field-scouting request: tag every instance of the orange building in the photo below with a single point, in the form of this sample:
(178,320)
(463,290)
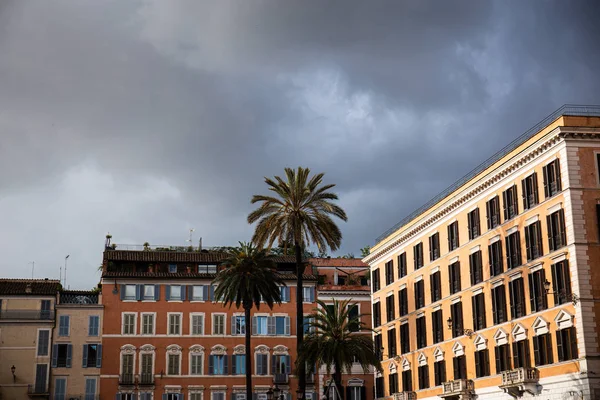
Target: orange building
(489,290)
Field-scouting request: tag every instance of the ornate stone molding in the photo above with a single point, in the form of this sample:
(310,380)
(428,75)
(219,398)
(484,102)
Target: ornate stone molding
(280,350)
(262,349)
(196,349)
(128,349)
(147,348)
(174,349)
(218,350)
(239,349)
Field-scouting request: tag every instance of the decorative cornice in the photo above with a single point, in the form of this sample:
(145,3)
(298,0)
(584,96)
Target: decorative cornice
(218,349)
(196,349)
(280,350)
(239,349)
(262,349)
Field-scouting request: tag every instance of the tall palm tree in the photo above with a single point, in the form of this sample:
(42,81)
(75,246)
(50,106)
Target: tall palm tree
(335,341)
(249,277)
(299,212)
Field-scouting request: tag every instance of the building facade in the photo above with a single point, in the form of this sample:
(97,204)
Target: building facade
(489,290)
(26,323)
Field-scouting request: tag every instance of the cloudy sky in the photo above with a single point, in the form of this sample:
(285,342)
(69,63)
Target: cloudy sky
(147,118)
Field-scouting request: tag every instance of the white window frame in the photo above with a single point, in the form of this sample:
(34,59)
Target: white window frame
(123,314)
(212,327)
(197,392)
(197,314)
(261,350)
(127,349)
(134,298)
(144,298)
(192,300)
(173,349)
(237,315)
(304,297)
(196,350)
(171,294)
(281,315)
(169,314)
(153,314)
(264,316)
(147,349)
(65,378)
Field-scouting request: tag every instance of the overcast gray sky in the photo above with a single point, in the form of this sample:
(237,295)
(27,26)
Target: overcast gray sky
(147,118)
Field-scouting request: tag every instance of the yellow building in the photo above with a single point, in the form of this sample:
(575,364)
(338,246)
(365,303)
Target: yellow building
(490,290)
(26,323)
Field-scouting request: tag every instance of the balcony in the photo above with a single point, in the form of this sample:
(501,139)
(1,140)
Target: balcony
(281,379)
(146,380)
(38,390)
(463,388)
(126,380)
(405,396)
(27,315)
(517,381)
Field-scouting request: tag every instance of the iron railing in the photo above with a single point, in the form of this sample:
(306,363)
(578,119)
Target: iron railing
(78,298)
(280,379)
(164,247)
(146,379)
(27,314)
(126,379)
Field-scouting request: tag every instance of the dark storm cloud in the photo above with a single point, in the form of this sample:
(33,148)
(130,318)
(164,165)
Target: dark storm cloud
(149,118)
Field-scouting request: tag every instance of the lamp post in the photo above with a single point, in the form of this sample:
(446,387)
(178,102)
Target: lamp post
(66,270)
(276,392)
(299,394)
(572,296)
(12,369)
(466,332)
(270,394)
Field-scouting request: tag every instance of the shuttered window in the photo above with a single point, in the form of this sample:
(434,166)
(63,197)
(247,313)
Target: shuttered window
(473,224)
(533,241)
(529,187)
(493,212)
(552,181)
(513,250)
(434,246)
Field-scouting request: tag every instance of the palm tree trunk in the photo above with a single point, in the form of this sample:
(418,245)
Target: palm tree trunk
(300,317)
(248,358)
(337,379)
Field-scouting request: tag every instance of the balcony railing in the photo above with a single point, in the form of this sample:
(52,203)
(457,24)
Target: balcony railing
(405,396)
(520,375)
(126,379)
(458,386)
(146,379)
(280,379)
(78,298)
(27,314)
(38,390)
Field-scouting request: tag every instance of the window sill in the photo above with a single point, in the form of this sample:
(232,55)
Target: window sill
(148,301)
(175,301)
(197,301)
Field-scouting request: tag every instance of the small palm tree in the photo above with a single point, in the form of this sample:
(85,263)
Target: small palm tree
(299,213)
(249,277)
(335,341)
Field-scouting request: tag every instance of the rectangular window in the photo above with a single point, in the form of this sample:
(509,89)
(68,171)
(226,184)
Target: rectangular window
(262,364)
(502,358)
(513,250)
(197,324)
(435,282)
(391,338)
(282,325)
(93,325)
(473,222)
(60,388)
(439,372)
(379,384)
(561,282)
(207,269)
(482,363)
(238,364)
(454,275)
(530,191)
(147,370)
(308,293)
(389,272)
(517,298)
(537,292)
(390,308)
(238,325)
(496,260)
(552,183)
(149,292)
(421,332)
(533,241)
(419,294)
(45,312)
(215,396)
(376,314)
(393,383)
(453,241)
(566,343)
(41,373)
(130,292)
(493,212)
(92,355)
(172,268)
(90,388)
(175,293)
(499,304)
(542,349)
(64,325)
(423,377)
(521,357)
(281,365)
(147,324)
(196,364)
(353,318)
(375,279)
(403,302)
(284,292)
(61,357)
(193,396)
(174,324)
(402,268)
(434,246)
(476,267)
(199,293)
(404,339)
(218,324)
(378,346)
(437,324)
(457,319)
(418,255)
(43,342)
(129,324)
(407,385)
(557,237)
(460,367)
(173,368)
(478,303)
(511,205)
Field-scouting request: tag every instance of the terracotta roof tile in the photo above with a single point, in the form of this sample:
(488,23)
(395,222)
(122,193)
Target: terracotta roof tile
(28,287)
(337,262)
(177,256)
(181,275)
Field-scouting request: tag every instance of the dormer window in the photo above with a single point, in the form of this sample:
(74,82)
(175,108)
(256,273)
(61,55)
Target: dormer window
(172,268)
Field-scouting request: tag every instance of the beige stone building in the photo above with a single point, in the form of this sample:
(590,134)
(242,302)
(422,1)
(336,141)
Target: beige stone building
(26,323)
(77,346)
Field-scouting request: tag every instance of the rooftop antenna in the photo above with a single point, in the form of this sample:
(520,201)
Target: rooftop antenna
(190,239)
(200,244)
(60,274)
(32,268)
(66,268)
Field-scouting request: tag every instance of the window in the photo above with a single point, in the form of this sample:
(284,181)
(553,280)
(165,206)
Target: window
(92,356)
(217,365)
(309,292)
(378,345)
(403,302)
(390,308)
(537,292)
(129,324)
(389,272)
(149,292)
(556,230)
(128,292)
(376,314)
(173,367)
(391,338)
(218,324)
(421,332)
(513,250)
(61,355)
(530,191)
(379,384)
(197,324)
(566,343)
(542,349)
(402,269)
(238,364)
(45,312)
(404,339)
(60,388)
(482,363)
(502,358)
(215,396)
(93,325)
(473,222)
(175,292)
(307,324)
(561,282)
(199,293)
(418,255)
(434,246)
(552,184)
(453,242)
(496,261)
(460,367)
(511,205)
(476,267)
(407,381)
(439,372)
(262,364)
(127,368)
(493,212)
(238,325)
(533,241)
(353,318)
(207,269)
(437,325)
(260,325)
(90,388)
(41,372)
(282,325)
(172,268)
(478,303)
(375,280)
(457,319)
(355,393)
(147,371)
(174,324)
(435,281)
(499,304)
(423,377)
(64,325)
(284,292)
(517,298)
(419,294)
(43,342)
(193,396)
(147,324)
(521,358)
(454,274)
(393,383)
(196,364)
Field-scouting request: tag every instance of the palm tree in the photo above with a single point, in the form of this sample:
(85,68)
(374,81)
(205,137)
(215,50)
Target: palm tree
(335,341)
(300,213)
(249,277)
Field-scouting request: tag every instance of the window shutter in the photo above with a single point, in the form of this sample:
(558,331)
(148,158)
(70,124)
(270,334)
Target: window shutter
(233,364)
(532,294)
(561,227)
(138,292)
(99,356)
(259,364)
(431,247)
(212,293)
(534,183)
(122,289)
(190,293)
(211,364)
(546,183)
(557,174)
(560,346)
(536,350)
(233,331)
(69,354)
(165,397)
(54,355)
(456,368)
(555,280)
(573,341)
(273,359)
(488,213)
(85,356)
(504,202)
(204,292)
(156,292)
(254,328)
(271,326)
(287,326)
(288,365)
(167,292)
(134,396)
(497,357)
(524,193)
(551,232)
(549,348)
(183,287)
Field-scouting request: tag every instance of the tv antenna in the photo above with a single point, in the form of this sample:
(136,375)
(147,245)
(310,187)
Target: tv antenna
(190,239)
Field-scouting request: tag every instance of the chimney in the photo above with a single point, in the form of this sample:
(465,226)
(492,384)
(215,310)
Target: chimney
(28,288)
